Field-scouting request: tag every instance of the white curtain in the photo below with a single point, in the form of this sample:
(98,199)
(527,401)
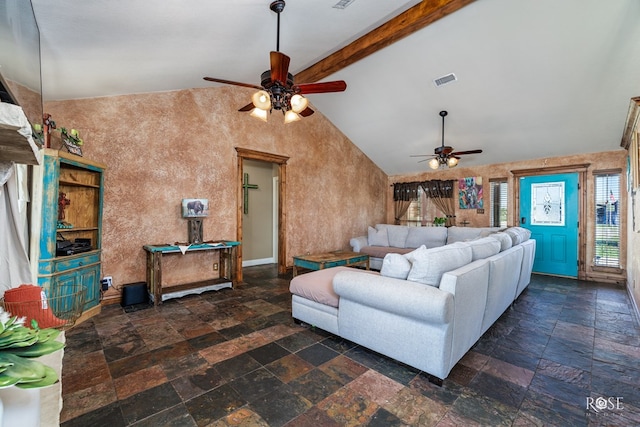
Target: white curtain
(14,258)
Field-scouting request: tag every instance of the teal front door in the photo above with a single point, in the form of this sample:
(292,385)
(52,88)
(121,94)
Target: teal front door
(549,208)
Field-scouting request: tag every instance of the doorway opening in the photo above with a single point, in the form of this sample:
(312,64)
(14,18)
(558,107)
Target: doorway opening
(279,164)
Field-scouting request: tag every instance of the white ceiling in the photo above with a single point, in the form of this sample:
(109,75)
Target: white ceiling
(536,78)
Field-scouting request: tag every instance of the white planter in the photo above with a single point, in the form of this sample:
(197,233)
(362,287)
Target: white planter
(19,407)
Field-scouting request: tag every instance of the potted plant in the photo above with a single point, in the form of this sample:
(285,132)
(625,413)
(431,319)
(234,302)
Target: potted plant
(19,345)
(439,221)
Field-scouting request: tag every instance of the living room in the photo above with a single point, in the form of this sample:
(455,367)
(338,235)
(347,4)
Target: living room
(165,146)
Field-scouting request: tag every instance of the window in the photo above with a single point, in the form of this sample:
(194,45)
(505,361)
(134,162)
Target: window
(421,211)
(607,236)
(498,202)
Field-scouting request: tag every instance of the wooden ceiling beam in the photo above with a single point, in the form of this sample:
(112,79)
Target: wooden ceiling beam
(419,16)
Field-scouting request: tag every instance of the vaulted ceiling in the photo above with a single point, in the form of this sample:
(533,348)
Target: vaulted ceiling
(534,78)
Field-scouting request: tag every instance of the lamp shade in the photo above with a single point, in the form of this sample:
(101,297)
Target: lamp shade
(452,162)
(291,116)
(259,113)
(434,163)
(261,99)
(299,103)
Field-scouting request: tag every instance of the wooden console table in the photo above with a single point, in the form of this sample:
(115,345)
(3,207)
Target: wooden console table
(227,270)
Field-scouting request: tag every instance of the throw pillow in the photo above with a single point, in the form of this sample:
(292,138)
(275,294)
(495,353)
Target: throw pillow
(378,237)
(396,266)
(429,265)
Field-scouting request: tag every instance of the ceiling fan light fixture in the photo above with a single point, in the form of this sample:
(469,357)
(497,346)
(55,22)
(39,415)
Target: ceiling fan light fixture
(259,113)
(299,103)
(291,116)
(262,100)
(452,162)
(434,163)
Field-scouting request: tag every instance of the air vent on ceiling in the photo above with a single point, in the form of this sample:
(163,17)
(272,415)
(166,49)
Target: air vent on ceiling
(342,4)
(441,81)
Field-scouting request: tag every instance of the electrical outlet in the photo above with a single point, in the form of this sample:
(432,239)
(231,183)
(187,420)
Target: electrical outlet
(106,282)
(215,266)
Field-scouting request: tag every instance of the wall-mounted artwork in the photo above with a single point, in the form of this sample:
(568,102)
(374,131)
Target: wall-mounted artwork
(195,208)
(470,193)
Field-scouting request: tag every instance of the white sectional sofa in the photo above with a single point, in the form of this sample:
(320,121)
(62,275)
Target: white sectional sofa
(426,308)
(401,239)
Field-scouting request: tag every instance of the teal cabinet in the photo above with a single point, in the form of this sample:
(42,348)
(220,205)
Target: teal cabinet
(71,229)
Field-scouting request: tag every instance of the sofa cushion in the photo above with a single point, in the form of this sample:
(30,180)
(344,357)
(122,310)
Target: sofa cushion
(483,248)
(397,234)
(396,266)
(518,234)
(428,265)
(381,251)
(378,237)
(317,286)
(503,238)
(463,234)
(431,237)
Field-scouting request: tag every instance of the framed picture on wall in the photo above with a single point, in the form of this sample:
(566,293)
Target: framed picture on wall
(195,208)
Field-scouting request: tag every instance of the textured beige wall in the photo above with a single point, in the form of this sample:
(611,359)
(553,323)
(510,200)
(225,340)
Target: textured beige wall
(162,147)
(597,162)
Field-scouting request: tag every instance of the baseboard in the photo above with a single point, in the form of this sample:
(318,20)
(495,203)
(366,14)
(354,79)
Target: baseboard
(634,305)
(253,262)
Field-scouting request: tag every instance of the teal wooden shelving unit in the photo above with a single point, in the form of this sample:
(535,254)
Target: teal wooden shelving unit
(81,183)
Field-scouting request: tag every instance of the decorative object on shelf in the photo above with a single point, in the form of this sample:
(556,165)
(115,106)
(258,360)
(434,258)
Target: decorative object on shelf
(245,188)
(195,208)
(63,202)
(72,141)
(195,231)
(48,125)
(470,193)
(444,155)
(277,90)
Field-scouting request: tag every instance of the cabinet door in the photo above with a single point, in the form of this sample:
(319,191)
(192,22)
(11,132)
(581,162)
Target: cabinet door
(89,277)
(66,283)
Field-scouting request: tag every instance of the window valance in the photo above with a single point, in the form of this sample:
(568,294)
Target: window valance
(407,191)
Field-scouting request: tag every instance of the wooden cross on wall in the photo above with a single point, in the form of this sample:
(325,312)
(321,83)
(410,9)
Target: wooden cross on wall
(246,187)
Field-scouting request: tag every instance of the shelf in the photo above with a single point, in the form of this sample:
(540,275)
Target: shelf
(76,229)
(77,184)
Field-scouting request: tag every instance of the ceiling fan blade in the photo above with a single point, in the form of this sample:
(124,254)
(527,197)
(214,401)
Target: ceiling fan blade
(323,87)
(306,112)
(279,67)
(231,82)
(248,107)
(459,153)
(421,155)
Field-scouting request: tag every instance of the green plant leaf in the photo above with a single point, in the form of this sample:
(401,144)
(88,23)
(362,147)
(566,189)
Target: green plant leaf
(51,377)
(6,381)
(39,349)
(24,369)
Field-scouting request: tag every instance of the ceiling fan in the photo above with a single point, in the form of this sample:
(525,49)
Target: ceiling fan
(444,155)
(278,90)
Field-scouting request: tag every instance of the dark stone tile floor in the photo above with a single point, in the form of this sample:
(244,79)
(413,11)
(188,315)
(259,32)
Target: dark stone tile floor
(566,354)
